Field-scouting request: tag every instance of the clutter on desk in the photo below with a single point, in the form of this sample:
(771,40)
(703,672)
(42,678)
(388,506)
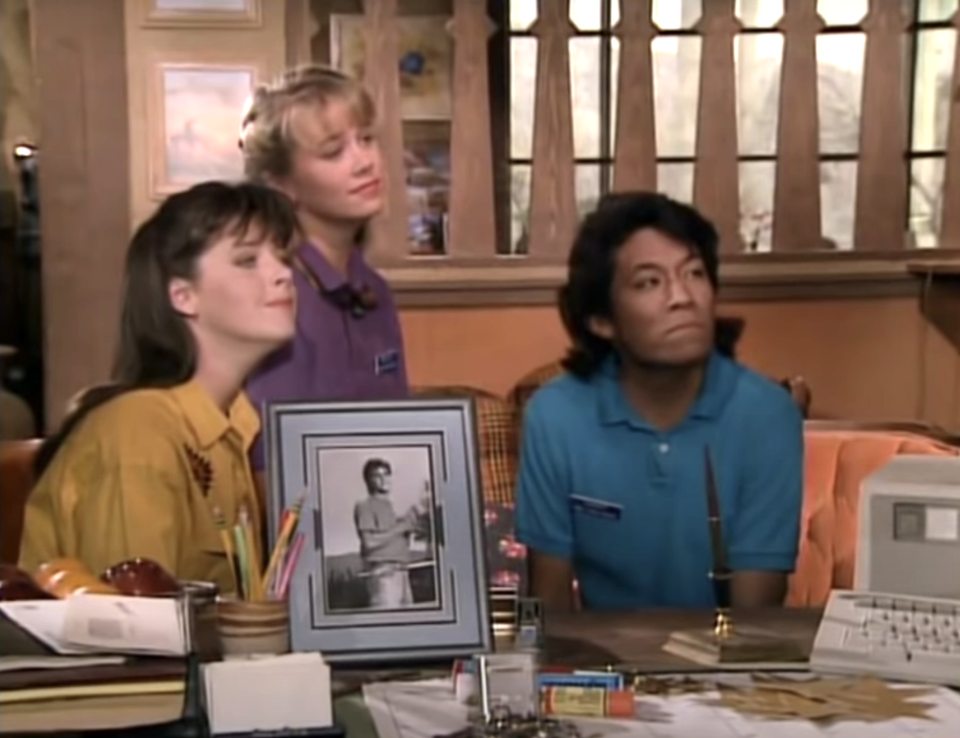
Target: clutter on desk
(428,708)
(863,699)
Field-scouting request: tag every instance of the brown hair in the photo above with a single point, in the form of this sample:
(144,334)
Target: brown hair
(265,131)
(156,348)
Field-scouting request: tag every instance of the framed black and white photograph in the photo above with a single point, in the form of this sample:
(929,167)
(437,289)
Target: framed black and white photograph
(394,567)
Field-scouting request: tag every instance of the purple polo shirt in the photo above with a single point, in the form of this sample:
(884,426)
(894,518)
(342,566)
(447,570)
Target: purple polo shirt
(334,354)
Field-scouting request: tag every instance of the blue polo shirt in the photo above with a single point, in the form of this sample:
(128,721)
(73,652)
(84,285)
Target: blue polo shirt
(626,503)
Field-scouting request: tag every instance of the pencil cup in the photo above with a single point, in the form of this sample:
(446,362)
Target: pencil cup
(251,628)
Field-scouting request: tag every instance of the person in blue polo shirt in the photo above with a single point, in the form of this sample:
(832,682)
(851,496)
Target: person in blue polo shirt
(612,480)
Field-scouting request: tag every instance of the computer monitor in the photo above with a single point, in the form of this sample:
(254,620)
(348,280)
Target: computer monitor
(909,536)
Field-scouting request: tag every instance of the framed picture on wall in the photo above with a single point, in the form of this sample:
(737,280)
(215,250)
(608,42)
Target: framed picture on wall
(195,111)
(204,13)
(394,526)
(425,63)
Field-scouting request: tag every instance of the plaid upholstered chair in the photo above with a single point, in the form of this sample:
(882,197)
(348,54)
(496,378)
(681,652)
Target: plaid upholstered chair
(497,431)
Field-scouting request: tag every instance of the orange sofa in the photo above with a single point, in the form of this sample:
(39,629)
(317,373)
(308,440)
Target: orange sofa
(836,463)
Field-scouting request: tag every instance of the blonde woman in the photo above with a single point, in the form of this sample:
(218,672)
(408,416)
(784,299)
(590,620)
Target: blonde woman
(312,135)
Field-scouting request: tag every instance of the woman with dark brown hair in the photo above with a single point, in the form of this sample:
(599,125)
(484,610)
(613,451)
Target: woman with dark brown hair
(145,466)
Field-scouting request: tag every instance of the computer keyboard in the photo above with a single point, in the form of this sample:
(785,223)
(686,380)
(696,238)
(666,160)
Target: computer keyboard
(898,637)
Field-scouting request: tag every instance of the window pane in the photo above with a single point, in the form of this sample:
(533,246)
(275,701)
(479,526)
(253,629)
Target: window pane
(757,184)
(614,12)
(586,14)
(585,91)
(931,98)
(523,83)
(758,59)
(671,15)
(759,13)
(676,181)
(614,81)
(926,201)
(588,187)
(842,12)
(522,14)
(838,200)
(839,91)
(519,208)
(676,89)
(937,10)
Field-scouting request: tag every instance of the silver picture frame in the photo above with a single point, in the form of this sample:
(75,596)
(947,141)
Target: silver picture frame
(394,563)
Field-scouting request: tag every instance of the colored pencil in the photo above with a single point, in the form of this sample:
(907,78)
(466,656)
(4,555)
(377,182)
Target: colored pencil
(280,549)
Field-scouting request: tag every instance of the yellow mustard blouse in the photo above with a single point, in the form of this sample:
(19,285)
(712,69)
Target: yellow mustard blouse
(142,476)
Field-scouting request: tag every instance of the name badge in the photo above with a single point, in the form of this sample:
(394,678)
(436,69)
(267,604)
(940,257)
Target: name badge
(387,363)
(595,507)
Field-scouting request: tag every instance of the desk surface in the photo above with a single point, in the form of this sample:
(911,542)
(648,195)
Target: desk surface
(638,638)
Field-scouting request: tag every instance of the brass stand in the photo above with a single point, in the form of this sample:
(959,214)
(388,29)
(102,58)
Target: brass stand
(725,644)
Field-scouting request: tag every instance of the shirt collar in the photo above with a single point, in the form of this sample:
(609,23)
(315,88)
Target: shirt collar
(329,277)
(718,385)
(209,423)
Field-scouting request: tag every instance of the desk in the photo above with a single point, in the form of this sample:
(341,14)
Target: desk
(649,630)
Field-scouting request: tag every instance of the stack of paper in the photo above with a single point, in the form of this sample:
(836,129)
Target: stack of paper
(85,624)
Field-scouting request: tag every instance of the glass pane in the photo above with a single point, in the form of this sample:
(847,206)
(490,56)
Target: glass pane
(614,12)
(758,57)
(614,82)
(757,185)
(937,10)
(671,15)
(585,91)
(522,14)
(427,159)
(519,208)
(842,12)
(759,13)
(676,181)
(931,97)
(586,14)
(838,201)
(588,187)
(840,91)
(926,201)
(676,89)
(523,84)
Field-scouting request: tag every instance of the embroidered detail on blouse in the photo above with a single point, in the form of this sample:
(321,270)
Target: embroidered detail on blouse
(200,468)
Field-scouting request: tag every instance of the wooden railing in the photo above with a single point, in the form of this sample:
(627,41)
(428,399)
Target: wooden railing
(882,192)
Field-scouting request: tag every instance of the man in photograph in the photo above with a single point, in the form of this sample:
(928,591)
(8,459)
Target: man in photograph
(385,538)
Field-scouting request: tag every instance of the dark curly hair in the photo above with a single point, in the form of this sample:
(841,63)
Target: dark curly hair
(372,466)
(587,293)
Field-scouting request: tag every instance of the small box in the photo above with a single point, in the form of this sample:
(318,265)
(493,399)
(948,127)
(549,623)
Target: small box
(268,694)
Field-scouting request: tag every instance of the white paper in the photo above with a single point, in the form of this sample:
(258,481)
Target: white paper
(942,523)
(426,709)
(268,693)
(109,623)
(43,619)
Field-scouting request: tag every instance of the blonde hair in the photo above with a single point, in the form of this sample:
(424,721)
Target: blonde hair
(265,131)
